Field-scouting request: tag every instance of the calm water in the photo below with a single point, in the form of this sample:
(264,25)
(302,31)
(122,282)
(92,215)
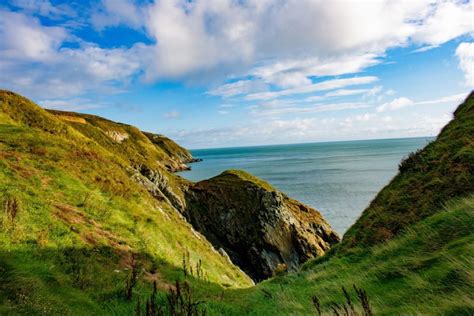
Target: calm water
(338,178)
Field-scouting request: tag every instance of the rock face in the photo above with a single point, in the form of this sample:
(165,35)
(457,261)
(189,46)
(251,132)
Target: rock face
(259,227)
(117,136)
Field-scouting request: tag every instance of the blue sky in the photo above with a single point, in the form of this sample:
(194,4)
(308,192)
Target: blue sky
(222,73)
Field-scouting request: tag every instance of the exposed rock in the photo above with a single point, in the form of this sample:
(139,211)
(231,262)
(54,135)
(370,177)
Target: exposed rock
(117,136)
(257,226)
(155,182)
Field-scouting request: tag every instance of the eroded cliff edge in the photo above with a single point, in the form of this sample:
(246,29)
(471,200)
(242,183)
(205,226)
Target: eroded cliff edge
(261,229)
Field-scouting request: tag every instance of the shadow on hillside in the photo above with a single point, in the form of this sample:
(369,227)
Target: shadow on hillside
(99,280)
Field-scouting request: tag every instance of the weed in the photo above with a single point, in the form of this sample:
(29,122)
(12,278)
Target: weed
(347,308)
(316,304)
(12,207)
(133,278)
(181,302)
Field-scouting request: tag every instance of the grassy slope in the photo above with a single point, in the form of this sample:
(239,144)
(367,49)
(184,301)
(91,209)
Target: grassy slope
(137,150)
(229,177)
(426,270)
(408,251)
(171,148)
(427,179)
(79,220)
(425,266)
(138,147)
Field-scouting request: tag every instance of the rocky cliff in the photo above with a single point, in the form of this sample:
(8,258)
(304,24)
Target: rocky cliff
(261,229)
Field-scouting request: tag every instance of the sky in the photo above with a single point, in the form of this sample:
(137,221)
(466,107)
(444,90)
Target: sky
(220,73)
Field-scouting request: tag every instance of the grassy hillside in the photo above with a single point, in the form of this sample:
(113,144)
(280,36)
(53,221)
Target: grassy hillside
(128,141)
(411,250)
(427,270)
(428,178)
(74,225)
(78,234)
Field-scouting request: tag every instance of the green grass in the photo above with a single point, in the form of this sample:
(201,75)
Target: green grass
(427,270)
(72,218)
(428,178)
(229,177)
(78,219)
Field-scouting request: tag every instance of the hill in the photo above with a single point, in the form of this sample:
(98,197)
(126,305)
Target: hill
(77,223)
(444,169)
(262,230)
(93,223)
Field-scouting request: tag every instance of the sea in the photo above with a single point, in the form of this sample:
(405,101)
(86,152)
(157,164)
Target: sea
(339,179)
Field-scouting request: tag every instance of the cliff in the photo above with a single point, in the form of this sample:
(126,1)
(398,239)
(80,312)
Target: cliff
(260,228)
(91,207)
(411,251)
(86,214)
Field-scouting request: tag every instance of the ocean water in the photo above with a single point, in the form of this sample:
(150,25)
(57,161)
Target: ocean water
(337,178)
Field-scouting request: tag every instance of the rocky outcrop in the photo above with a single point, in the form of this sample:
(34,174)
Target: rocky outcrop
(158,184)
(260,228)
(180,156)
(117,136)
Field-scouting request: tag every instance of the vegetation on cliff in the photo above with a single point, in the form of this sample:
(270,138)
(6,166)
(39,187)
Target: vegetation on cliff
(444,169)
(426,270)
(74,221)
(89,225)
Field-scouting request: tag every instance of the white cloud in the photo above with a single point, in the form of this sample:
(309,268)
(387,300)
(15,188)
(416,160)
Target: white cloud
(294,72)
(346,92)
(395,104)
(24,38)
(338,37)
(317,108)
(209,41)
(424,48)
(445,21)
(306,129)
(314,87)
(44,8)
(465,53)
(74,104)
(238,88)
(33,61)
(455,99)
(117,12)
(402,102)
